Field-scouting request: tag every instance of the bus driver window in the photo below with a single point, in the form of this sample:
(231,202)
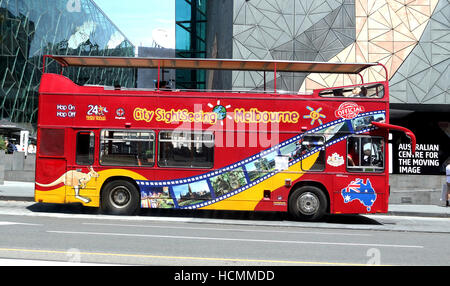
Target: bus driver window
(365,154)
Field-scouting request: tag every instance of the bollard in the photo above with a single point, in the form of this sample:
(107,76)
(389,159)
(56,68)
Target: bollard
(2,174)
(443,200)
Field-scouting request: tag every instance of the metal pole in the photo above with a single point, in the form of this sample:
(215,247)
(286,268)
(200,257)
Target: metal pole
(264,80)
(159,69)
(275,78)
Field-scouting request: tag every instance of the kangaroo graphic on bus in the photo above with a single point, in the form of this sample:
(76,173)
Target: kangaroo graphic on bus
(75,179)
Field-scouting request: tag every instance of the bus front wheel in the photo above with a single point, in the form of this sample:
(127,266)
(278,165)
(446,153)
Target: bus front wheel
(308,203)
(120,197)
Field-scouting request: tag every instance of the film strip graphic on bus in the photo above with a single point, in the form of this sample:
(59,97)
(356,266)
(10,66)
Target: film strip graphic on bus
(215,186)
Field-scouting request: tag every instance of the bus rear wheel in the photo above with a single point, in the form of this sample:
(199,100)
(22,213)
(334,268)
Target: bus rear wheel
(120,197)
(308,203)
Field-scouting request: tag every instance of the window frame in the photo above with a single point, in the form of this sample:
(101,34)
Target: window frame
(365,169)
(102,138)
(212,141)
(91,156)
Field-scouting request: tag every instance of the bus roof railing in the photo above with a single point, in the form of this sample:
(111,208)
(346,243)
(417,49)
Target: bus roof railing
(218,64)
(213,64)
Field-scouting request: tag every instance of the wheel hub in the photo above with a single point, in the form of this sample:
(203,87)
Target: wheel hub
(308,203)
(120,196)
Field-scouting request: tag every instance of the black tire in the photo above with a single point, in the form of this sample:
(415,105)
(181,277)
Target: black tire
(120,198)
(308,203)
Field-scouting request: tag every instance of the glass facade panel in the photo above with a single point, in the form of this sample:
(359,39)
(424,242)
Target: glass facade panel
(190,18)
(30,29)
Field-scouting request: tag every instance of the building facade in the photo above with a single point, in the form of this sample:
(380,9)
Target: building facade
(30,29)
(190,31)
(148,78)
(411,38)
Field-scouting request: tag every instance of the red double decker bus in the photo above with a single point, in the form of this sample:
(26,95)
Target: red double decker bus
(121,149)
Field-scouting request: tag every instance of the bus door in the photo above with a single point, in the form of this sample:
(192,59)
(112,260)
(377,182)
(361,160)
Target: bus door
(81,174)
(363,187)
(51,165)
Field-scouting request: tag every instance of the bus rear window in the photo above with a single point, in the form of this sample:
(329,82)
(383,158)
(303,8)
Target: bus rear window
(52,142)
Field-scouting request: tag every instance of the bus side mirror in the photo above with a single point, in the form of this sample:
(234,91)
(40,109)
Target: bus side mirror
(408,132)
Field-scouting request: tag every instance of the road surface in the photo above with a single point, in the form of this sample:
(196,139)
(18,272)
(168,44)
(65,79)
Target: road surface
(38,233)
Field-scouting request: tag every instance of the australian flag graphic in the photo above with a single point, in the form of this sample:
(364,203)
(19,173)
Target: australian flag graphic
(358,190)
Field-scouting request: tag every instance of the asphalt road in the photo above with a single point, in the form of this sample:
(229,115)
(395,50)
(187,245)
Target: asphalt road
(36,234)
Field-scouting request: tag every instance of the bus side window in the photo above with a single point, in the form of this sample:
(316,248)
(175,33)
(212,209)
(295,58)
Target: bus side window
(376,153)
(311,144)
(366,91)
(127,147)
(85,148)
(186,149)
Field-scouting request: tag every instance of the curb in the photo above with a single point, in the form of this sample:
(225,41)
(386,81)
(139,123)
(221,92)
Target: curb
(389,213)
(16,198)
(422,214)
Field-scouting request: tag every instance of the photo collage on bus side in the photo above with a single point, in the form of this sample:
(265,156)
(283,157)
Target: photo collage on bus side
(209,188)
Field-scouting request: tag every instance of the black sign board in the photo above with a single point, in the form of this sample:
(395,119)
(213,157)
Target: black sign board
(432,148)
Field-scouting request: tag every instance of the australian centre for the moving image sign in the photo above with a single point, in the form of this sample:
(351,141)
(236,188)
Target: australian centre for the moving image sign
(432,149)
(424,161)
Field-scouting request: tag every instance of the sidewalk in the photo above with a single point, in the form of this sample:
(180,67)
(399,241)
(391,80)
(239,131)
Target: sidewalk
(419,210)
(21,191)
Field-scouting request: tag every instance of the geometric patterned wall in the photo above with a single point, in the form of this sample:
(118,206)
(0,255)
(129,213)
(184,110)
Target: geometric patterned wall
(31,28)
(410,37)
(289,30)
(424,77)
(387,31)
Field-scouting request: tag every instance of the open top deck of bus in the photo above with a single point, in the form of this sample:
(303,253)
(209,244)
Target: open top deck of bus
(214,64)
(217,64)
